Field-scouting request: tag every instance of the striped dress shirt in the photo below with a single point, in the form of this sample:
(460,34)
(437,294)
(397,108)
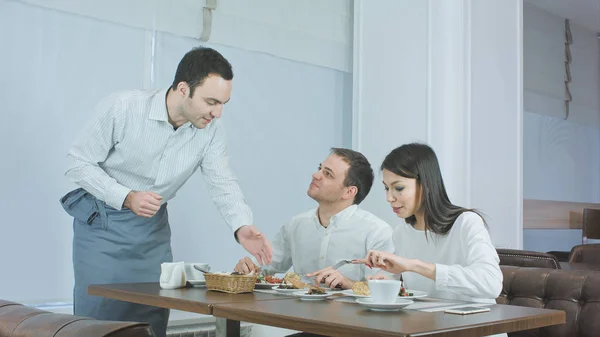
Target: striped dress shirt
(129,144)
(307,246)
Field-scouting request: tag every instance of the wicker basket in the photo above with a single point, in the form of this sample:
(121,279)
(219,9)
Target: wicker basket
(233,284)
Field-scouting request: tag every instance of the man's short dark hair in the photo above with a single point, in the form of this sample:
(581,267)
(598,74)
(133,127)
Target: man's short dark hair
(197,64)
(360,172)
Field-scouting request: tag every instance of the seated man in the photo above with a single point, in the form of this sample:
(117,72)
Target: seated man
(337,229)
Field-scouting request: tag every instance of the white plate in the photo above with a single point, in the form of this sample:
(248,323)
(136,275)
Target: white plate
(416,294)
(303,296)
(197,283)
(285,291)
(263,286)
(368,302)
(350,292)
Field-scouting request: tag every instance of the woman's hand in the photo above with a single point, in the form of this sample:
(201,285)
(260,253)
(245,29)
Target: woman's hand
(397,264)
(379,277)
(387,261)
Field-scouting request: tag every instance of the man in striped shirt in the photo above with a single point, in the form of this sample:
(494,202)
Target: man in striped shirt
(337,229)
(140,147)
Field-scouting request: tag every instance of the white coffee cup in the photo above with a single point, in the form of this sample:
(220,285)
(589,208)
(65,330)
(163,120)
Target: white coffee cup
(192,273)
(384,291)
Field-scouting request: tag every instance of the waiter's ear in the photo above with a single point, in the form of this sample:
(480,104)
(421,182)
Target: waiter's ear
(183,89)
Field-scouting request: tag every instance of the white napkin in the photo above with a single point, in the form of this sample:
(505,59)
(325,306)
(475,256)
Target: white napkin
(172,275)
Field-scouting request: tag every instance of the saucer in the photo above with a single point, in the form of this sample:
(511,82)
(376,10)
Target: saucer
(416,294)
(303,296)
(399,304)
(197,283)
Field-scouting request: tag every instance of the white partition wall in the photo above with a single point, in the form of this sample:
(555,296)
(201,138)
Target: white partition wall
(54,67)
(447,73)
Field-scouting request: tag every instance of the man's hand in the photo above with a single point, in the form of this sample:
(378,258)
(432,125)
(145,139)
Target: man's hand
(144,204)
(246,266)
(255,243)
(332,278)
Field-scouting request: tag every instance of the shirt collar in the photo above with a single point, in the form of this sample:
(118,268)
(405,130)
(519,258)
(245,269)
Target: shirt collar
(158,108)
(340,216)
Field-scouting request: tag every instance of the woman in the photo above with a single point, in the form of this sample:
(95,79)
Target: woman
(443,249)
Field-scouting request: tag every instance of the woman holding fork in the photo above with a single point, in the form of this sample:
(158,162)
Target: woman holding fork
(443,249)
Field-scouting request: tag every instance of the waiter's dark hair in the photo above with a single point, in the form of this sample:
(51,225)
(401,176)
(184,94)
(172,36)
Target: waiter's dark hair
(197,64)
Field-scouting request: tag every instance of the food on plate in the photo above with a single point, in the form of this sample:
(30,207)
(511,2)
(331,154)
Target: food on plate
(270,279)
(361,288)
(315,291)
(403,292)
(294,280)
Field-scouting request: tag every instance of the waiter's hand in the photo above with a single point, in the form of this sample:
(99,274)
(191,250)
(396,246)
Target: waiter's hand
(255,243)
(144,204)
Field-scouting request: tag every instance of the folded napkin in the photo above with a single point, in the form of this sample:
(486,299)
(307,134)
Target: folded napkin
(172,275)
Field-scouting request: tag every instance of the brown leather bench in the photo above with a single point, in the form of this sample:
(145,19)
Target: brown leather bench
(526,258)
(17,320)
(577,292)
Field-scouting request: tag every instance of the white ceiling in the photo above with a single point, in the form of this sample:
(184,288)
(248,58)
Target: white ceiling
(583,12)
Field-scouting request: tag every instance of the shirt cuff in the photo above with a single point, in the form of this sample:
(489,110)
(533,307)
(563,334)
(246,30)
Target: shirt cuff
(235,228)
(117,196)
(441,276)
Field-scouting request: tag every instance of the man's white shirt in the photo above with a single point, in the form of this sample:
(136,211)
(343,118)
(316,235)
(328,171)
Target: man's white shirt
(308,246)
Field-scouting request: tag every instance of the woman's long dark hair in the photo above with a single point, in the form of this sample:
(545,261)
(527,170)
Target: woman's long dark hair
(418,161)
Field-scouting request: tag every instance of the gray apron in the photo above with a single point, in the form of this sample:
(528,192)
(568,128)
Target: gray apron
(111,246)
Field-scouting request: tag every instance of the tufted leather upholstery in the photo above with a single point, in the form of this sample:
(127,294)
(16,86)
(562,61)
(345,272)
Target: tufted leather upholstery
(525,258)
(577,292)
(17,320)
(589,253)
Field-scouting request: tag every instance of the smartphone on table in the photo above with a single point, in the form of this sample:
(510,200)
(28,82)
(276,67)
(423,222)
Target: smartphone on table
(466,310)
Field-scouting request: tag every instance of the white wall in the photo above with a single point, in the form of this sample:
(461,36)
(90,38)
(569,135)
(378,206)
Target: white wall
(312,31)
(449,75)
(55,66)
(390,84)
(561,157)
(497,117)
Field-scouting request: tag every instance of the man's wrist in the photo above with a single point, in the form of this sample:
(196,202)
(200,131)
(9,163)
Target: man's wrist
(235,234)
(127,201)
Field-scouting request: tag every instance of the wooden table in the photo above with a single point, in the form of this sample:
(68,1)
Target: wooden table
(197,300)
(326,317)
(333,318)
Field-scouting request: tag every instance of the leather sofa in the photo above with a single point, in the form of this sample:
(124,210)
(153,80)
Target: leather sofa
(588,253)
(577,292)
(526,258)
(17,320)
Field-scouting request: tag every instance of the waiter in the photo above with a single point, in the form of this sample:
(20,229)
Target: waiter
(139,148)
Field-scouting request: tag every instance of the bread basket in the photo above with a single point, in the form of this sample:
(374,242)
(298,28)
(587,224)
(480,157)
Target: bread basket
(233,284)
